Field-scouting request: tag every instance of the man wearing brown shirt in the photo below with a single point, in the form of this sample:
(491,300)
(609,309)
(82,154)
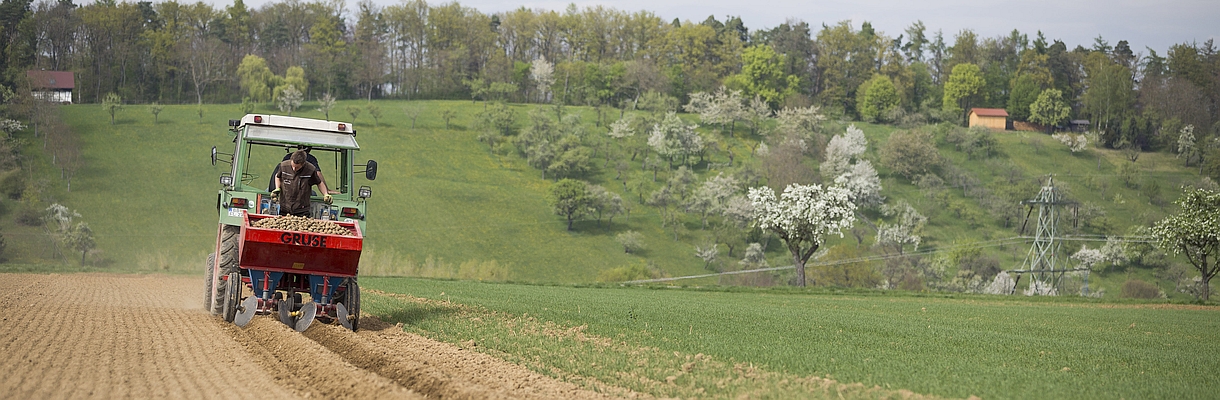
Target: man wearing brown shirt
(294,184)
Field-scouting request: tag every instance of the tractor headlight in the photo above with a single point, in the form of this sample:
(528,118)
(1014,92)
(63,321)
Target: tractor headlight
(226,180)
(364,192)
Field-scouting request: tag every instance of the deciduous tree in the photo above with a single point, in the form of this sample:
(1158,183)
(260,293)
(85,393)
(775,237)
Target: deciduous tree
(412,112)
(763,75)
(631,241)
(294,78)
(207,63)
(802,216)
(1193,232)
(1110,95)
(374,111)
(801,122)
(963,89)
(354,111)
(673,138)
(255,78)
(543,74)
(877,97)
(290,99)
(1024,92)
(325,104)
(154,108)
(112,103)
(841,151)
(1186,143)
(906,227)
(910,153)
(1049,109)
(569,198)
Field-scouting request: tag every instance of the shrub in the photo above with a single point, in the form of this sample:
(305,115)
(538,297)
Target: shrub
(632,241)
(1137,289)
(637,271)
(28,216)
(12,183)
(910,153)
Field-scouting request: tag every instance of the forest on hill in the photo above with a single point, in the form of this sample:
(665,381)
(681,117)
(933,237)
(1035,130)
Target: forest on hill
(175,52)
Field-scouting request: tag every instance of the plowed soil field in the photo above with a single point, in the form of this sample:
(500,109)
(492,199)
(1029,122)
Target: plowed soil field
(107,336)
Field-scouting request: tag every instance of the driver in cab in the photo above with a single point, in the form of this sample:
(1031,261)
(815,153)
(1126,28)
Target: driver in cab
(294,185)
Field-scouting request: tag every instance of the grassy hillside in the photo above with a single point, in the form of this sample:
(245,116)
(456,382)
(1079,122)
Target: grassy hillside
(441,201)
(444,205)
(696,343)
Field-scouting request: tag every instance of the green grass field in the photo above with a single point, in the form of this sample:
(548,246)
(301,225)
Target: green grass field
(701,340)
(444,206)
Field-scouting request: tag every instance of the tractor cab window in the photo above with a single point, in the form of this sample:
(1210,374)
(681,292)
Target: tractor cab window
(264,159)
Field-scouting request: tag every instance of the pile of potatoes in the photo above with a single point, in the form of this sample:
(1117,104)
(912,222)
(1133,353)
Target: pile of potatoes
(302,224)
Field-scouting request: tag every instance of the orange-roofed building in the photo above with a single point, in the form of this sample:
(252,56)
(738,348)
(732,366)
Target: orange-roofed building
(994,118)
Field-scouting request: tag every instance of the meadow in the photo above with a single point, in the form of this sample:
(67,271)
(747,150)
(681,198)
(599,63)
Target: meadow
(445,206)
(442,205)
(685,342)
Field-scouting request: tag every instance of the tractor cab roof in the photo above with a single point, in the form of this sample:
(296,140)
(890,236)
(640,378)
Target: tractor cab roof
(278,129)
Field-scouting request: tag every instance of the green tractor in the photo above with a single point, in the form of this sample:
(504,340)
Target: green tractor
(264,271)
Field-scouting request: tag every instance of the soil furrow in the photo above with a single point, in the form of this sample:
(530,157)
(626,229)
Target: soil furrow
(127,336)
(439,369)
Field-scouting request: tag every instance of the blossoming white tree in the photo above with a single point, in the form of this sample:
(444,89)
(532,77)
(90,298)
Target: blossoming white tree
(755,257)
(1075,143)
(907,229)
(1088,257)
(1186,143)
(721,108)
(673,138)
(841,150)
(1192,231)
(622,128)
(10,126)
(543,73)
(861,177)
(864,184)
(802,215)
(799,121)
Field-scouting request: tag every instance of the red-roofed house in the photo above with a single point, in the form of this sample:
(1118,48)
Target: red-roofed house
(52,85)
(994,118)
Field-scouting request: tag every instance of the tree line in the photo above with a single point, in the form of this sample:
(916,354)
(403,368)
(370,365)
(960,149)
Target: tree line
(172,52)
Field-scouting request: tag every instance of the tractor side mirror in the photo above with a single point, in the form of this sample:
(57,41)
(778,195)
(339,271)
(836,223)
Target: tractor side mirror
(370,170)
(217,153)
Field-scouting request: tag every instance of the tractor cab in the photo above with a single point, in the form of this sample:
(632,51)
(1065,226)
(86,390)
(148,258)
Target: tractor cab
(262,142)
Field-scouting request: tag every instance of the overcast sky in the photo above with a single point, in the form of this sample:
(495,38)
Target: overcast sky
(1155,24)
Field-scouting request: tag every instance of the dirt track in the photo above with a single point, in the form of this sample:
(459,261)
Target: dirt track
(74,336)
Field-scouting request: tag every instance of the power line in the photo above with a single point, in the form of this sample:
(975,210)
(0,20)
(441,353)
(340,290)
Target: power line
(976,245)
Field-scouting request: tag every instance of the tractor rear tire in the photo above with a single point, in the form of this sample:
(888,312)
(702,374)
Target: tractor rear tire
(232,296)
(207,291)
(351,300)
(229,237)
